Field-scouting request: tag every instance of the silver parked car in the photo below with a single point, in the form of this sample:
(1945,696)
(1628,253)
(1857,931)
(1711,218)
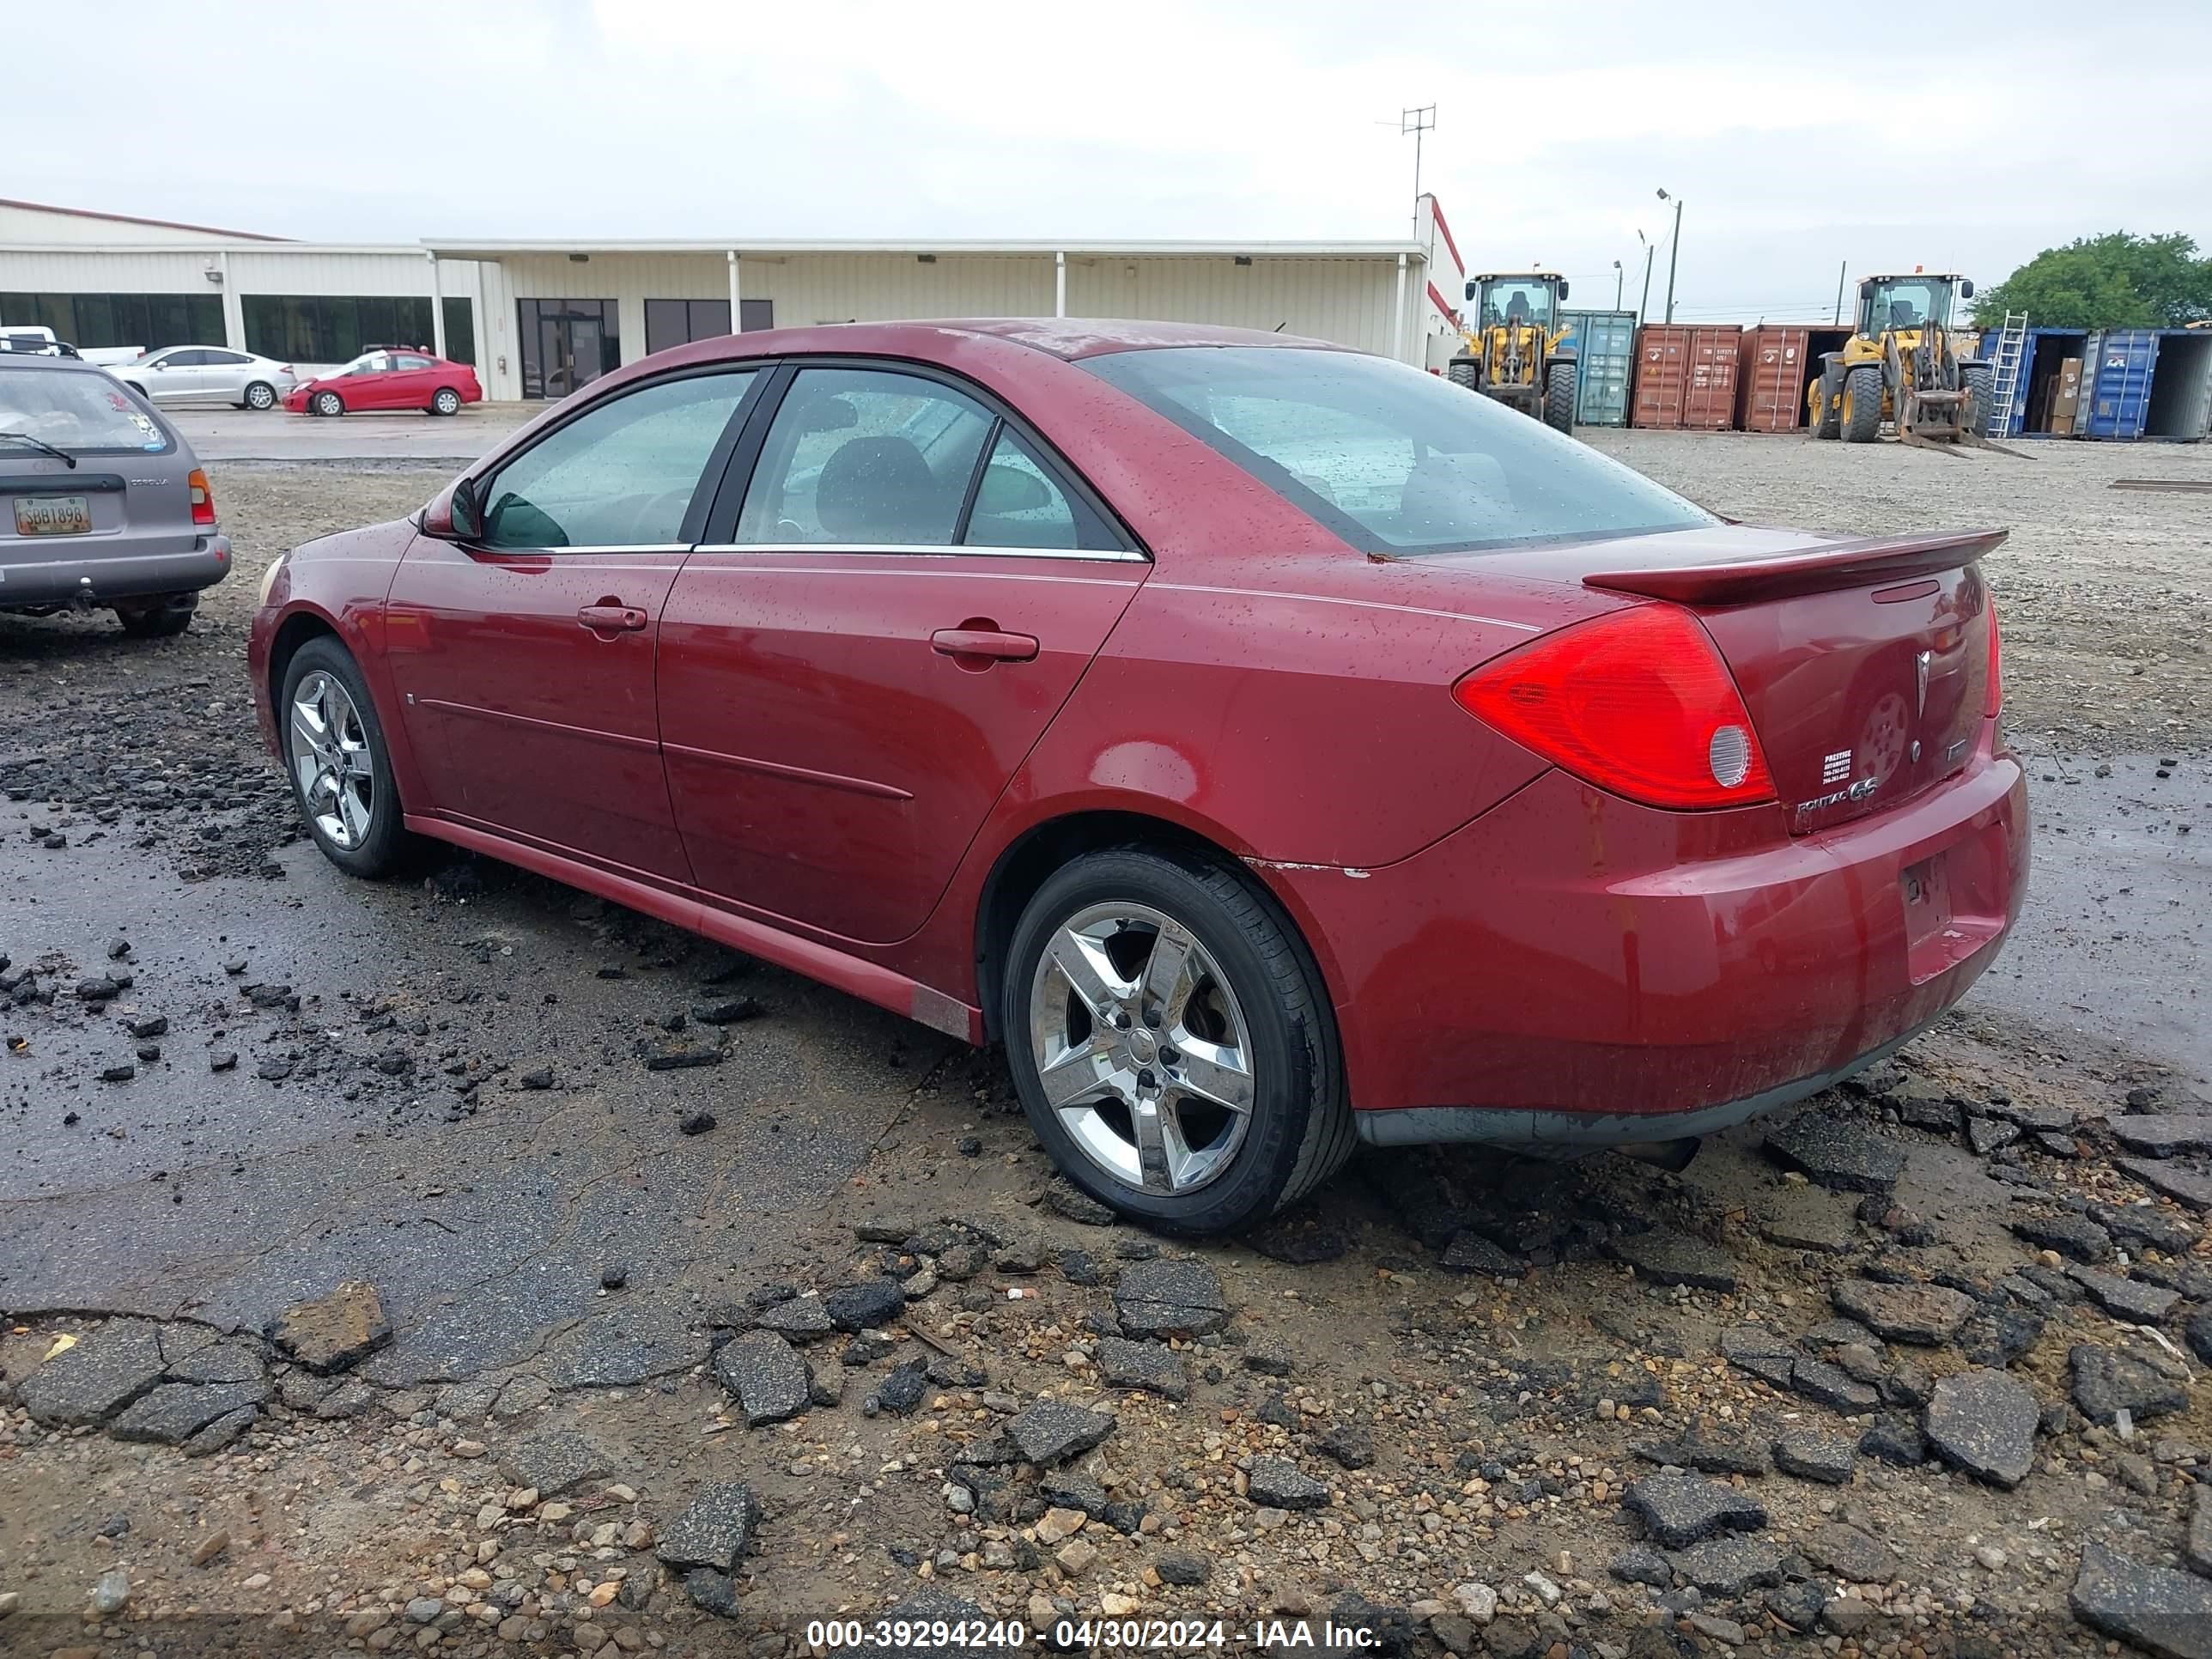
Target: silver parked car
(207,374)
(102,504)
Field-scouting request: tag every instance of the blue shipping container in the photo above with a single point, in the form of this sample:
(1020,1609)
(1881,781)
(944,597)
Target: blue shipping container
(2116,377)
(1604,342)
(2038,361)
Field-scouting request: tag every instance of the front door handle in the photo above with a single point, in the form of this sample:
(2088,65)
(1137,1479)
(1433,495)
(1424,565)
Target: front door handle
(983,642)
(609,617)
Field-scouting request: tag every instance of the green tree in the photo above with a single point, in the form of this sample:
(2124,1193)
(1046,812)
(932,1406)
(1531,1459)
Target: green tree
(2113,280)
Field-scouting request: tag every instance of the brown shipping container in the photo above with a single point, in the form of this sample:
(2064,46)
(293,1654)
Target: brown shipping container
(1685,375)
(1770,374)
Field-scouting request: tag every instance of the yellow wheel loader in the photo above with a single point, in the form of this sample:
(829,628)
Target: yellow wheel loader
(1905,364)
(1515,351)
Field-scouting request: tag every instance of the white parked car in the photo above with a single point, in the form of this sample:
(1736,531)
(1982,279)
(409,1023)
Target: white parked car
(207,374)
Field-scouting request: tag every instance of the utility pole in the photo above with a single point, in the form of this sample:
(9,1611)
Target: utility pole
(1842,270)
(1643,306)
(1618,278)
(1674,252)
(1417,122)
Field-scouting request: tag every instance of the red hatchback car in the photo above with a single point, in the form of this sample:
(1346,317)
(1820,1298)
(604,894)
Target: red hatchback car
(389,377)
(1275,747)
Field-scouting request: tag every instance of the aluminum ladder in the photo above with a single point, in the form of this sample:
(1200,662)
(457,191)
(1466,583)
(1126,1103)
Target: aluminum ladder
(2004,389)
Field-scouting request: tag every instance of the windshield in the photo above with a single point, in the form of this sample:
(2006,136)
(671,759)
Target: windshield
(1907,302)
(1389,458)
(1520,303)
(79,412)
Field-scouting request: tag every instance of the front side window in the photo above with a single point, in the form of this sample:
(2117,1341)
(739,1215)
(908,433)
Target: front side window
(82,413)
(861,457)
(622,475)
(1393,460)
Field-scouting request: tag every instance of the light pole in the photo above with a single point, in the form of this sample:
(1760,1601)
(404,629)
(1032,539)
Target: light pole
(1643,306)
(1618,278)
(1673,251)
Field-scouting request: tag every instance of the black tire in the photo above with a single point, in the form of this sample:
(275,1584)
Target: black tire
(386,846)
(259,394)
(1979,382)
(445,401)
(1559,397)
(326,402)
(159,619)
(1828,420)
(1860,416)
(1300,1128)
(1462,371)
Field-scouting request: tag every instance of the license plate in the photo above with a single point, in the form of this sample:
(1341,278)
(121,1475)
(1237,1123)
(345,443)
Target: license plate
(53,515)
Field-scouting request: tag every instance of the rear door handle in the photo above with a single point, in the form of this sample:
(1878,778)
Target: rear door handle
(983,642)
(606,618)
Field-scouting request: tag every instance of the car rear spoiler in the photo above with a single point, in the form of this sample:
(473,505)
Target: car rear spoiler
(1825,566)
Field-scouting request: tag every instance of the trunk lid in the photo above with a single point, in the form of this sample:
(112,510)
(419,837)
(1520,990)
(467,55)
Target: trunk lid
(1863,664)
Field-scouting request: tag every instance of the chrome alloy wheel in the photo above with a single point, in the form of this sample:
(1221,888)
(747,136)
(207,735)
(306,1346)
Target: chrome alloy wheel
(331,760)
(1140,1047)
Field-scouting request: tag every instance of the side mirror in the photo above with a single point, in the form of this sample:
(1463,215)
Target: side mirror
(1563,290)
(1966,288)
(455,514)
(1472,289)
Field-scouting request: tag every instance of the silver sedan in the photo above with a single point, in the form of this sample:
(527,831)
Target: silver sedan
(207,374)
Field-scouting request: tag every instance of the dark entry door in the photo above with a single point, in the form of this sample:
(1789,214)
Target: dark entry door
(566,345)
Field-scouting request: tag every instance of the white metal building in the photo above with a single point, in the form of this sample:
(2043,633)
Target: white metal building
(539,318)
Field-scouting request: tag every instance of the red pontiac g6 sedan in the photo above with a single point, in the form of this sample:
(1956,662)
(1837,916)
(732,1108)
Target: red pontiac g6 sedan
(1276,748)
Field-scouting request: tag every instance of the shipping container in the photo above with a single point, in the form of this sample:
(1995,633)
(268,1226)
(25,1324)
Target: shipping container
(1776,365)
(2044,357)
(2116,375)
(1685,375)
(2181,387)
(1605,344)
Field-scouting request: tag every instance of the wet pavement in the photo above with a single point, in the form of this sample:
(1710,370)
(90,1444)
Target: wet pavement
(277,435)
(2112,944)
(467,1117)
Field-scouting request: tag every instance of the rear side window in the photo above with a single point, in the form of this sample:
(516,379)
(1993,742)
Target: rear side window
(81,412)
(861,457)
(1017,504)
(1393,460)
(621,475)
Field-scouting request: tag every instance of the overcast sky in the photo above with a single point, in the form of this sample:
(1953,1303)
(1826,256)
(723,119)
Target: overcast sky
(1961,135)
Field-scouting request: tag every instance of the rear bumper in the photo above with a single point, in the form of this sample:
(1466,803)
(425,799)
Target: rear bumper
(105,577)
(1573,969)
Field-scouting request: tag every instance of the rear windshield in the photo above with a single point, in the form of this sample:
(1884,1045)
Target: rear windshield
(1394,461)
(82,411)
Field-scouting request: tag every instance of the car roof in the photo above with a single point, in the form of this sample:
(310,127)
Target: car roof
(41,361)
(1066,338)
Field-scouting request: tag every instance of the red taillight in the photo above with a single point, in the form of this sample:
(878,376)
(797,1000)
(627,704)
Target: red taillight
(203,497)
(1993,688)
(1637,702)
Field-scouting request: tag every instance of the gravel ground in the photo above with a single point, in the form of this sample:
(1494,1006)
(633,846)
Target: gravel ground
(438,1321)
